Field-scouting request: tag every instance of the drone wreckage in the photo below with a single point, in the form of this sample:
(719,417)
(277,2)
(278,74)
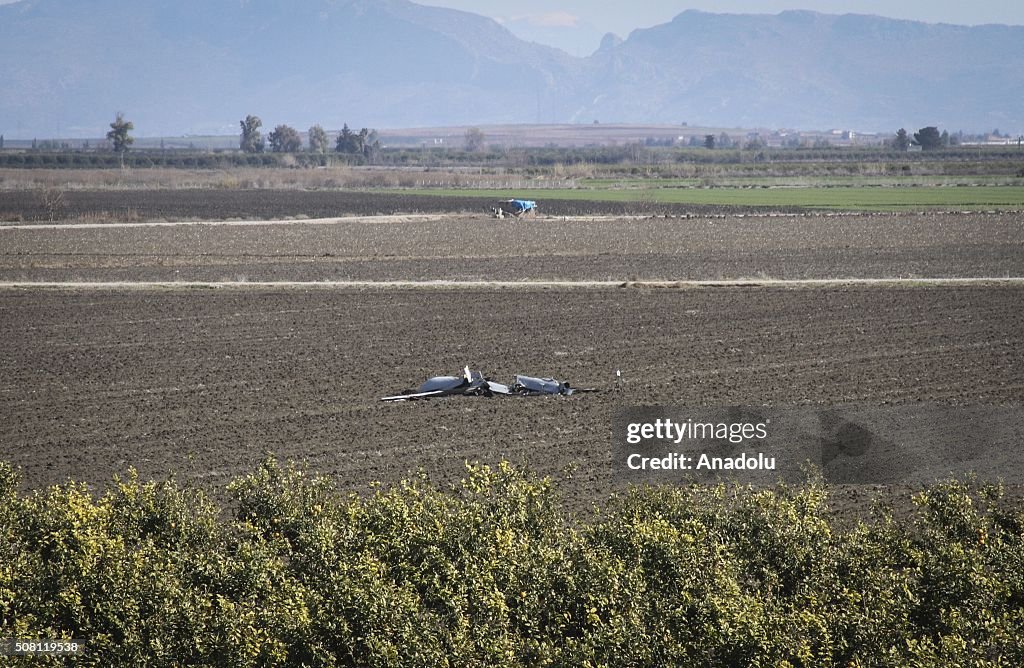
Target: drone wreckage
(474,384)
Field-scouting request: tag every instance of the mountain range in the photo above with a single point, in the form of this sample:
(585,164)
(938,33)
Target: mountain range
(198,66)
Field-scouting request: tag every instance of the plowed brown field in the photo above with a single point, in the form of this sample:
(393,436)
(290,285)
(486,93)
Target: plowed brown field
(206,204)
(475,248)
(201,383)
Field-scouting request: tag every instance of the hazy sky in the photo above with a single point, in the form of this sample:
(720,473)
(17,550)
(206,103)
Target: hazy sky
(577,25)
(625,16)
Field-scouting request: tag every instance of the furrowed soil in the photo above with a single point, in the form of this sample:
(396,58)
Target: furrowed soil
(202,383)
(468,247)
(211,204)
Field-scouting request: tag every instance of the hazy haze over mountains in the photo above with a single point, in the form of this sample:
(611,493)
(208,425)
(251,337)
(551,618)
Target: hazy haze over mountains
(186,66)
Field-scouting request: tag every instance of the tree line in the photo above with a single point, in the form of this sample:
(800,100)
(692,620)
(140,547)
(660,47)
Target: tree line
(930,139)
(283,139)
(283,147)
(286,139)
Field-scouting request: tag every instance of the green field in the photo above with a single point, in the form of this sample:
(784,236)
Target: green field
(804,181)
(845,198)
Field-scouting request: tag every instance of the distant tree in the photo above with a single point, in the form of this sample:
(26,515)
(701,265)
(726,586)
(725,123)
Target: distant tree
(724,141)
(945,138)
(364,143)
(901,142)
(118,135)
(1,142)
(371,145)
(754,143)
(317,140)
(709,141)
(252,140)
(285,139)
(347,141)
(928,138)
(474,139)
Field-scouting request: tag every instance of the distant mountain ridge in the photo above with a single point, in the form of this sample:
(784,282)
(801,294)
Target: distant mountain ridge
(186,66)
(810,70)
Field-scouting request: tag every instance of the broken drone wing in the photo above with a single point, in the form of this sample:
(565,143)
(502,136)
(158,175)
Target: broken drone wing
(416,395)
(470,383)
(448,384)
(438,386)
(531,386)
(498,388)
(527,385)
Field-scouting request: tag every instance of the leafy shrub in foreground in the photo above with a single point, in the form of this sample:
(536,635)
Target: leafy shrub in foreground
(493,572)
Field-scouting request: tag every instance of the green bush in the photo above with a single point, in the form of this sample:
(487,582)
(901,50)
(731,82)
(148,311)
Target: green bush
(494,572)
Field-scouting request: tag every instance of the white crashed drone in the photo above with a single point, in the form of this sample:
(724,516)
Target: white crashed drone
(474,384)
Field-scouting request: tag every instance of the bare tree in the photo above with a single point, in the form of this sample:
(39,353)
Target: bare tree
(52,200)
(474,139)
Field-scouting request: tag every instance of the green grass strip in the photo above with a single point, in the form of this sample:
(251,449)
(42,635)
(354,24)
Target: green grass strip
(839,198)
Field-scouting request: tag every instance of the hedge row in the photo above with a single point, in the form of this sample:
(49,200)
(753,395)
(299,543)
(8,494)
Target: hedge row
(169,159)
(629,154)
(493,572)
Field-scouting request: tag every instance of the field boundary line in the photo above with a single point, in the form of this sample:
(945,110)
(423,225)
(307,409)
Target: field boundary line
(382,219)
(527,285)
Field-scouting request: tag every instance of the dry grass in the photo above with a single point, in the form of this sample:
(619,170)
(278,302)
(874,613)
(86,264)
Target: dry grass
(324,178)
